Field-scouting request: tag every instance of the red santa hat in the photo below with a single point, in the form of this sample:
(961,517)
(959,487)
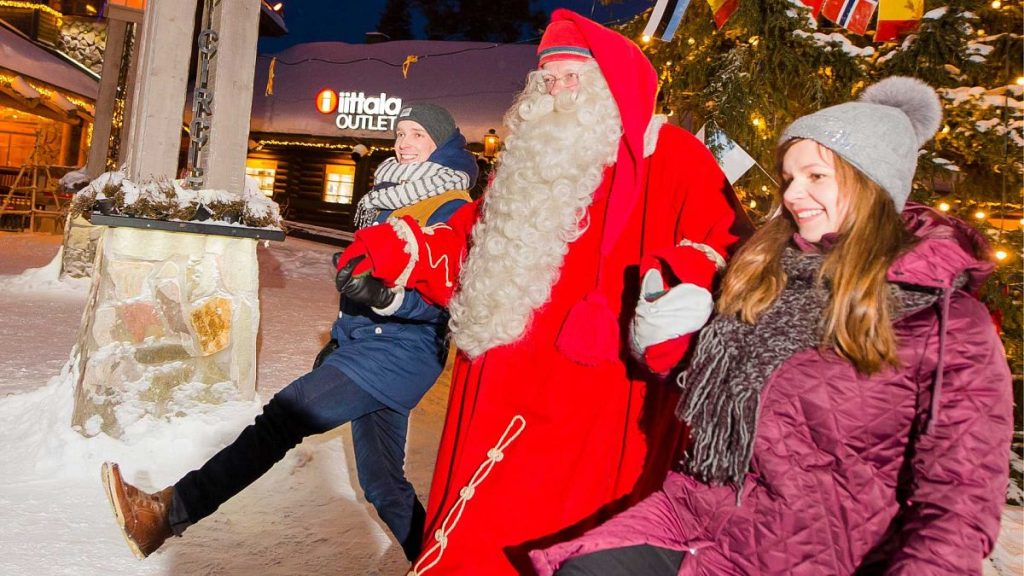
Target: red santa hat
(634,86)
(562,41)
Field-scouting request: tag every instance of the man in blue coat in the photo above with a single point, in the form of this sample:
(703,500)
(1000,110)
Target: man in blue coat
(388,347)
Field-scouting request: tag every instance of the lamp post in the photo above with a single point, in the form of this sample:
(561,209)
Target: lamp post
(492,142)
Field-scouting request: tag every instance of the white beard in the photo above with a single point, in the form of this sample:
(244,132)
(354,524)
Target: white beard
(552,163)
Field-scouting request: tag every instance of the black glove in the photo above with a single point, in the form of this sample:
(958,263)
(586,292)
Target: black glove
(368,290)
(364,289)
(345,274)
(325,352)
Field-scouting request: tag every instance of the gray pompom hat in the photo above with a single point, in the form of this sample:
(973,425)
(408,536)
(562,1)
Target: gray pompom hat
(879,133)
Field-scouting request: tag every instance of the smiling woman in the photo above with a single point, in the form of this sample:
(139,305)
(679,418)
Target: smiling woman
(848,334)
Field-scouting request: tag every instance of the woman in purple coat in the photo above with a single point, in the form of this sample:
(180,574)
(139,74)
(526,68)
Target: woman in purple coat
(850,405)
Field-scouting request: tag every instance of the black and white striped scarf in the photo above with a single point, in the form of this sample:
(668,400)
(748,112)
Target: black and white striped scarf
(398,185)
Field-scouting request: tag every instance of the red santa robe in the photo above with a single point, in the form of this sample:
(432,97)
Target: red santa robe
(577,442)
(538,446)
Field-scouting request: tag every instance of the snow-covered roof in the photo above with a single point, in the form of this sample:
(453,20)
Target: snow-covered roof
(476,81)
(21,55)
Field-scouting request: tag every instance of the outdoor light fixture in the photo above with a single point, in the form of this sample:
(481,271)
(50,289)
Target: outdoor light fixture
(646,38)
(1001,254)
(944,206)
(997,4)
(491,143)
(278,6)
(979,215)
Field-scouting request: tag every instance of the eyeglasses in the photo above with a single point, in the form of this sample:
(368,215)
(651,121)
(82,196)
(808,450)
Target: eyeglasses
(569,80)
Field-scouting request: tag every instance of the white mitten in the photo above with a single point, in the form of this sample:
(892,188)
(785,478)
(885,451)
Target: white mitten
(663,315)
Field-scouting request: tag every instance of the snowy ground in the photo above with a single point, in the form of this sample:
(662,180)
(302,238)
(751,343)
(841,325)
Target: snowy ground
(303,518)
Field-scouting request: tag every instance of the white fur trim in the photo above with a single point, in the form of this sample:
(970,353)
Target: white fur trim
(396,303)
(708,251)
(651,134)
(404,233)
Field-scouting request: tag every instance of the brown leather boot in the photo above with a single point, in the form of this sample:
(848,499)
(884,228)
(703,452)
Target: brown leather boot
(143,517)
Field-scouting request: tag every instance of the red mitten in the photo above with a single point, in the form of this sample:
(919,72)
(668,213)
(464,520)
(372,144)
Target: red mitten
(661,358)
(354,250)
(387,253)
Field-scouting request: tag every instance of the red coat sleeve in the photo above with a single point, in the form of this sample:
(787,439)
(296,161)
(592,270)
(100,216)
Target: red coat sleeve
(425,259)
(960,467)
(709,226)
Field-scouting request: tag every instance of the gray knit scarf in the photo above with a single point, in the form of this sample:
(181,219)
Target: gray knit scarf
(721,390)
(399,185)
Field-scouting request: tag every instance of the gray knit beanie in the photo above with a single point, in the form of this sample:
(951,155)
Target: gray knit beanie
(437,121)
(880,133)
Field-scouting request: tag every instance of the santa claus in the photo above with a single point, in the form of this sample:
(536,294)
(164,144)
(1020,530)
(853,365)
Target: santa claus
(601,233)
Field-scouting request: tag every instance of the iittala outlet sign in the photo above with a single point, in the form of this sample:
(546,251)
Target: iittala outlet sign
(357,111)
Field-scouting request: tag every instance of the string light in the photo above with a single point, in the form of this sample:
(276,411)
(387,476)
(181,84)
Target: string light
(46,93)
(31,6)
(753,203)
(997,4)
(1001,254)
(646,39)
(691,41)
(1020,80)
(330,146)
(979,215)
(944,206)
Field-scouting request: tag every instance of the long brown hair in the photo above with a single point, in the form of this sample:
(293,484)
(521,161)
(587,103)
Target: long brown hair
(856,323)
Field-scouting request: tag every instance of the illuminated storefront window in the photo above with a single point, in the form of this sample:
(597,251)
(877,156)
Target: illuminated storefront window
(15,148)
(339,183)
(263,171)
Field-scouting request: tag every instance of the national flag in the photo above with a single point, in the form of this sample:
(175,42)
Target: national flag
(897,18)
(732,159)
(674,9)
(854,15)
(677,17)
(656,17)
(722,10)
(814,5)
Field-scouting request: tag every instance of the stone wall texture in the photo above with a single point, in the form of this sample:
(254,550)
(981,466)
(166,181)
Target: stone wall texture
(84,39)
(171,322)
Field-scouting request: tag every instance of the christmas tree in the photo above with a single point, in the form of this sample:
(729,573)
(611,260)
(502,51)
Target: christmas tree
(773,61)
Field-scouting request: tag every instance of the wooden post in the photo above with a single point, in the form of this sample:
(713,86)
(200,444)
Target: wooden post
(112,55)
(231,82)
(154,137)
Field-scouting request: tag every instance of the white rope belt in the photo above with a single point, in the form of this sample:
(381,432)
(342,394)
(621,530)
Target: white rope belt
(494,455)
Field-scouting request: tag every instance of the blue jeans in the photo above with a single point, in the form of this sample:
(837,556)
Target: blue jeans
(315,403)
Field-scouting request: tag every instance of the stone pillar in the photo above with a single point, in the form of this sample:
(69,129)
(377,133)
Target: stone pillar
(231,79)
(105,101)
(154,137)
(171,323)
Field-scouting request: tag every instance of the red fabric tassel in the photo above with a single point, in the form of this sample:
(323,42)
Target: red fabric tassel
(590,334)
